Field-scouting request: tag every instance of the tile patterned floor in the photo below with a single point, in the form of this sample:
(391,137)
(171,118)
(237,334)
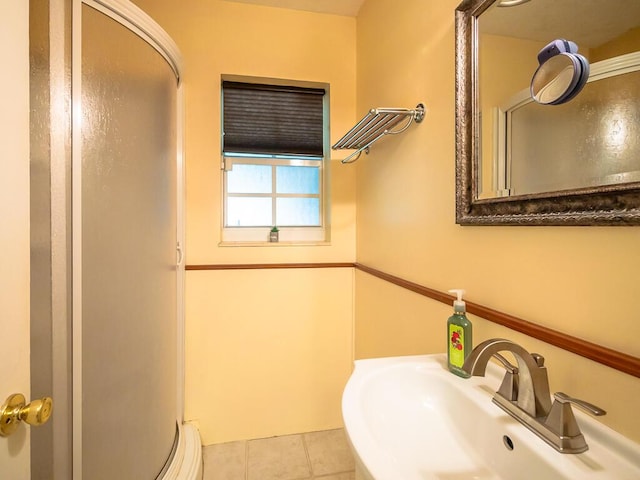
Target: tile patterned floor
(307,456)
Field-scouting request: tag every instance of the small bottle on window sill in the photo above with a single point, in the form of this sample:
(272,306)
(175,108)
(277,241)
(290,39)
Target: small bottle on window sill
(274,234)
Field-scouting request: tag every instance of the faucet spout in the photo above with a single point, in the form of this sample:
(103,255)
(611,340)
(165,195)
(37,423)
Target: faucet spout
(533,385)
(524,394)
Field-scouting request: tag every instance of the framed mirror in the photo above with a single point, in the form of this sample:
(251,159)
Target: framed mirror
(522,163)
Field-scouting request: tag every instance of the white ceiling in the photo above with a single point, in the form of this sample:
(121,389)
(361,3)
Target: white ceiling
(348,8)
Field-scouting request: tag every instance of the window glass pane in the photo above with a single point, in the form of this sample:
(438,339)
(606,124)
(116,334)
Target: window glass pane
(298,212)
(291,179)
(248,212)
(249,179)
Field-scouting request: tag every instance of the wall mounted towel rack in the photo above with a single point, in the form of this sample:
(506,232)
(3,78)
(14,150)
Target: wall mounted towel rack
(377,123)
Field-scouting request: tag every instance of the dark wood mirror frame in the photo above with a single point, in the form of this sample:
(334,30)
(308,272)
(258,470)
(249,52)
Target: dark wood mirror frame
(607,205)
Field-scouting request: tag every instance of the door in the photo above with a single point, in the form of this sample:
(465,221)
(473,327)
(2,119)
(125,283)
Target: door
(126,280)
(14,233)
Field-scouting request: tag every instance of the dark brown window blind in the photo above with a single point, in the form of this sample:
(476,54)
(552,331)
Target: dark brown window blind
(272,119)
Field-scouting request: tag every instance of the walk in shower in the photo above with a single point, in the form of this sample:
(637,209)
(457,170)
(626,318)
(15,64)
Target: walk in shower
(118,203)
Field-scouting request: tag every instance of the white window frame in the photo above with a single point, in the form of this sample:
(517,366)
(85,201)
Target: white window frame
(316,235)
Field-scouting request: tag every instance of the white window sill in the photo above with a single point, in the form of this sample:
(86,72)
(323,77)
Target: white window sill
(274,244)
(287,236)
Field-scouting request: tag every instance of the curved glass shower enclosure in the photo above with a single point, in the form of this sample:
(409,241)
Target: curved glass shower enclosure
(110,198)
(129,225)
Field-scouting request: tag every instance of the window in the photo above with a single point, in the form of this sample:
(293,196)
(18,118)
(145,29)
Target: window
(273,159)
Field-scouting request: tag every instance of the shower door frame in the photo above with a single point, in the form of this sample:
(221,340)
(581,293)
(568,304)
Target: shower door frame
(133,18)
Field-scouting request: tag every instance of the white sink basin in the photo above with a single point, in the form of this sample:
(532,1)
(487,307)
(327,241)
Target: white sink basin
(408,418)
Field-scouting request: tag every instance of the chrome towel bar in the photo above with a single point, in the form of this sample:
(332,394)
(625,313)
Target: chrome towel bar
(377,123)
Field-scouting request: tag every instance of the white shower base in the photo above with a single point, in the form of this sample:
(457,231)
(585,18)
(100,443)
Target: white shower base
(187,461)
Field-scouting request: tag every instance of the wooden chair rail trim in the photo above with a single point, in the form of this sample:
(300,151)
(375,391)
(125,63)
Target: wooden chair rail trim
(266,266)
(606,356)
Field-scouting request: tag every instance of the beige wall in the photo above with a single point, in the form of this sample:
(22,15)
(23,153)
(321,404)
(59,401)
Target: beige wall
(577,280)
(218,38)
(628,42)
(582,281)
(268,351)
(264,360)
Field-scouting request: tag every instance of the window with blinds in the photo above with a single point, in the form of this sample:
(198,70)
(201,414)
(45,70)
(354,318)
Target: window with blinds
(273,144)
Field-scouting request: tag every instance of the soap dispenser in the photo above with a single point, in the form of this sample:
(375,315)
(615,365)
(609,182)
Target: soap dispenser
(459,336)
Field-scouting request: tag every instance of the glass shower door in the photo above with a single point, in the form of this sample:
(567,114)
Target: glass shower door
(128,253)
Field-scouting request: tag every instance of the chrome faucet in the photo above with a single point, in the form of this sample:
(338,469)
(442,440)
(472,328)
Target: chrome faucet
(524,394)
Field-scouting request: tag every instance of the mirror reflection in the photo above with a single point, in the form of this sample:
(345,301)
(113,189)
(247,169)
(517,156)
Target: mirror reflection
(561,75)
(527,148)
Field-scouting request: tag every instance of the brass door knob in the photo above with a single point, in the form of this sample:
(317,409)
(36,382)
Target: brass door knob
(15,410)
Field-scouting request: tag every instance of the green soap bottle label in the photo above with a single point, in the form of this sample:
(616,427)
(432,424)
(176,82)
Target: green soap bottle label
(456,345)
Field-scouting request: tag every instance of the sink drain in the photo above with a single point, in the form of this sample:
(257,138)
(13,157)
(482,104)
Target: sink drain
(507,442)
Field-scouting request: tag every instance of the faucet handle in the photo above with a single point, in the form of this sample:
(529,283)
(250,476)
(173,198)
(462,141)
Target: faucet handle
(586,406)
(509,387)
(539,359)
(563,423)
(506,363)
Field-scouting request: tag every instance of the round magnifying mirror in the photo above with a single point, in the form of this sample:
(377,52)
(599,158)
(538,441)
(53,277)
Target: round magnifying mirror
(559,79)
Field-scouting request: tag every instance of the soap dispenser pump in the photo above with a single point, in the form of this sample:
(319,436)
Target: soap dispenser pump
(459,336)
